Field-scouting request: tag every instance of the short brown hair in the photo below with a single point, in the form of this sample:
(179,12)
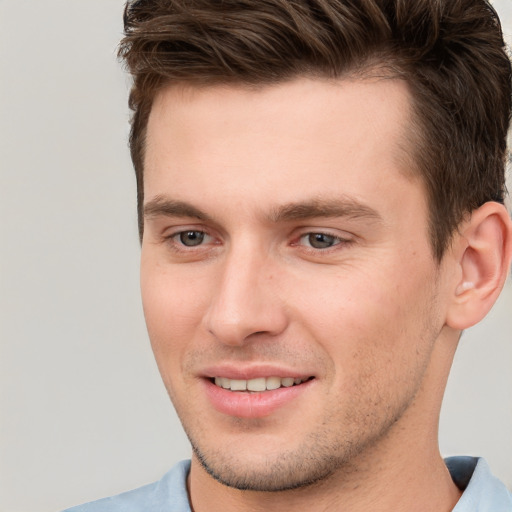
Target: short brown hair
(450,52)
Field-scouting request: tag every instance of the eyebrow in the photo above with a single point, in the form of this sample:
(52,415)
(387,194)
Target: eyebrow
(161,206)
(333,207)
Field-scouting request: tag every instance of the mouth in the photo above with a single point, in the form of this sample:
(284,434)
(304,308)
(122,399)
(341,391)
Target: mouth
(258,385)
(256,397)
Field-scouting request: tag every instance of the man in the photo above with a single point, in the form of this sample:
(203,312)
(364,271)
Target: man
(320,195)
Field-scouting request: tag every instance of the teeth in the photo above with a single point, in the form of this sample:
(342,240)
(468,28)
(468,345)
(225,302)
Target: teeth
(222,382)
(288,381)
(273,383)
(259,384)
(238,385)
(256,384)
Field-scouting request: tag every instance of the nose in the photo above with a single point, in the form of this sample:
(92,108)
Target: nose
(246,300)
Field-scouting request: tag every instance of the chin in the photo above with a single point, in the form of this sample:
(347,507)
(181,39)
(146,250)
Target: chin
(279,474)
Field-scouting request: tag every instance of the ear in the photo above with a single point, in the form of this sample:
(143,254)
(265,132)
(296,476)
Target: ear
(483,251)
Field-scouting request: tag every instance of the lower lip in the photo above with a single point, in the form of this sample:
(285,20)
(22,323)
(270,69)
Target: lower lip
(246,404)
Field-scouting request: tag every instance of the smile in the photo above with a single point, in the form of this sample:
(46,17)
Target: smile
(259,384)
(257,397)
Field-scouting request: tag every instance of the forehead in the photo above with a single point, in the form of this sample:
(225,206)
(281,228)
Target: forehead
(296,107)
(280,143)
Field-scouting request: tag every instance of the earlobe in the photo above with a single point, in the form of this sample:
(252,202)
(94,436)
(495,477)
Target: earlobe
(484,245)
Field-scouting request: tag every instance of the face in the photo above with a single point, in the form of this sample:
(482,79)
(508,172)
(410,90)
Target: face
(289,288)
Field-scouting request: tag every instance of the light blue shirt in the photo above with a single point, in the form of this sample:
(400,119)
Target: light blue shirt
(482,491)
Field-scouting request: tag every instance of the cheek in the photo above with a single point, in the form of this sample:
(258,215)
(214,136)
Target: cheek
(380,313)
(173,307)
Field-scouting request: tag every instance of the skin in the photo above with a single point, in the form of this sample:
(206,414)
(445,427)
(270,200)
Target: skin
(257,172)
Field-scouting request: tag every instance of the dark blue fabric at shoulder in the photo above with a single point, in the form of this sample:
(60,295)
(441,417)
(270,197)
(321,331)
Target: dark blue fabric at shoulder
(167,495)
(461,470)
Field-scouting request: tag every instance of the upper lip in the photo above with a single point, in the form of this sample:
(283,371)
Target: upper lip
(254,371)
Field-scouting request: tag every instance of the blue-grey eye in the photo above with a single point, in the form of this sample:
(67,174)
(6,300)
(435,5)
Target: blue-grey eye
(191,238)
(321,240)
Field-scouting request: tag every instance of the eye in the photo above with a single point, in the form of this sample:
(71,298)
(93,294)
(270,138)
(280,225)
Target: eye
(191,238)
(320,240)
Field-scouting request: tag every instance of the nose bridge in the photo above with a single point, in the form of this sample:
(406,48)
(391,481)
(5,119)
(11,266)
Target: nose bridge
(246,300)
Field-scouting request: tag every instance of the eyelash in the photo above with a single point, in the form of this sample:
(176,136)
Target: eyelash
(334,239)
(178,246)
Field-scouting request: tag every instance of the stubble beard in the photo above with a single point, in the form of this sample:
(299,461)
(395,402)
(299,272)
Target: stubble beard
(342,447)
(287,472)
(316,461)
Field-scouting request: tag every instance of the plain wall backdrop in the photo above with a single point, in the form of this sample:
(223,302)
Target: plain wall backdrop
(83,413)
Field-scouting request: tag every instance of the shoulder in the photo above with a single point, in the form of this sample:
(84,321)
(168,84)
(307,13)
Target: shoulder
(168,494)
(482,491)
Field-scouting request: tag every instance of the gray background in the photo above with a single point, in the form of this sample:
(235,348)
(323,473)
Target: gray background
(82,411)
